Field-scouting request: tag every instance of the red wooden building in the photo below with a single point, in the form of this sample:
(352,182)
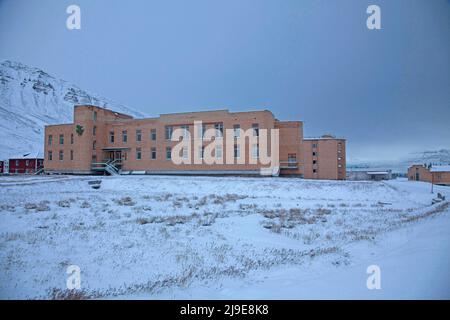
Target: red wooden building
(26,164)
(1,167)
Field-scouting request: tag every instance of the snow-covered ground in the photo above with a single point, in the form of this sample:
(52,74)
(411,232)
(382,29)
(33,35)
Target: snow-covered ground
(164,237)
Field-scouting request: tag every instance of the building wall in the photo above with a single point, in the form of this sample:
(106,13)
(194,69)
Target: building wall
(424,174)
(291,141)
(1,167)
(25,166)
(324,158)
(85,152)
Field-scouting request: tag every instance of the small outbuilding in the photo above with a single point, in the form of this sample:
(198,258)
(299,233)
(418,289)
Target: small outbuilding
(437,174)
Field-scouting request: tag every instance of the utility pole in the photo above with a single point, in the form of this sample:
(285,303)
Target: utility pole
(432,176)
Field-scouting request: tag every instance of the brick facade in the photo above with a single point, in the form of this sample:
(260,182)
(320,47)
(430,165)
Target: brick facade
(142,144)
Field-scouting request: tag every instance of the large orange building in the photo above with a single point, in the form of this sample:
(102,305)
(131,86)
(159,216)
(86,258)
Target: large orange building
(100,140)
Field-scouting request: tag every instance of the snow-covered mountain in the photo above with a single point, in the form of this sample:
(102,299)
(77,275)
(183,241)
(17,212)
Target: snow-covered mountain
(30,99)
(436,157)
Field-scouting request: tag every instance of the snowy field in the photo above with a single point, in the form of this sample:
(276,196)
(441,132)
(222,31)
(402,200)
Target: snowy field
(159,237)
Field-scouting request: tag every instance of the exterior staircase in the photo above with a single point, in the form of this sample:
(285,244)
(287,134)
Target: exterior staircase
(112,167)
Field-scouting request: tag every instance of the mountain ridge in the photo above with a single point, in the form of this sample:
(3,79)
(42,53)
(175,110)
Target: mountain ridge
(31,98)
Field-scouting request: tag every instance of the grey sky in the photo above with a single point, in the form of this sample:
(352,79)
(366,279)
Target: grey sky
(387,91)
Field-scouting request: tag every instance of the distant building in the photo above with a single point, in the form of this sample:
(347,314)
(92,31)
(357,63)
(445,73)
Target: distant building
(438,174)
(2,167)
(26,164)
(367,175)
(103,141)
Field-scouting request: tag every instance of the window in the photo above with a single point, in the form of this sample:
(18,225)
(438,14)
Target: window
(71,154)
(314,170)
(61,139)
(255,151)
(50,140)
(237,151)
(237,130)
(169,130)
(168,153)
(94,116)
(255,127)
(71,138)
(17,163)
(314,145)
(218,152)
(219,129)
(27,163)
(124,136)
(185,131)
(314,153)
(314,161)
(50,156)
(94,130)
(138,154)
(153,153)
(201,131)
(153,134)
(94,145)
(111,136)
(339,158)
(139,135)
(61,155)
(185,152)
(201,152)
(292,158)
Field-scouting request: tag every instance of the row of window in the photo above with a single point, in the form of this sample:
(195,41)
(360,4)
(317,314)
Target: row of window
(61,139)
(27,163)
(218,153)
(201,151)
(169,132)
(60,155)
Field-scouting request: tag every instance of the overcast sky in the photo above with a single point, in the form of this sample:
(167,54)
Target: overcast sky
(387,91)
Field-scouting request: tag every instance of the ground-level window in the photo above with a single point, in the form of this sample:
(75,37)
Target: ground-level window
(61,155)
(138,154)
(237,151)
(50,156)
(185,152)
(168,153)
(201,152)
(292,158)
(218,152)
(255,151)
(153,153)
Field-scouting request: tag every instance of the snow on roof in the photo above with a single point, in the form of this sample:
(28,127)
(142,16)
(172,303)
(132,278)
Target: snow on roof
(378,172)
(440,168)
(30,155)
